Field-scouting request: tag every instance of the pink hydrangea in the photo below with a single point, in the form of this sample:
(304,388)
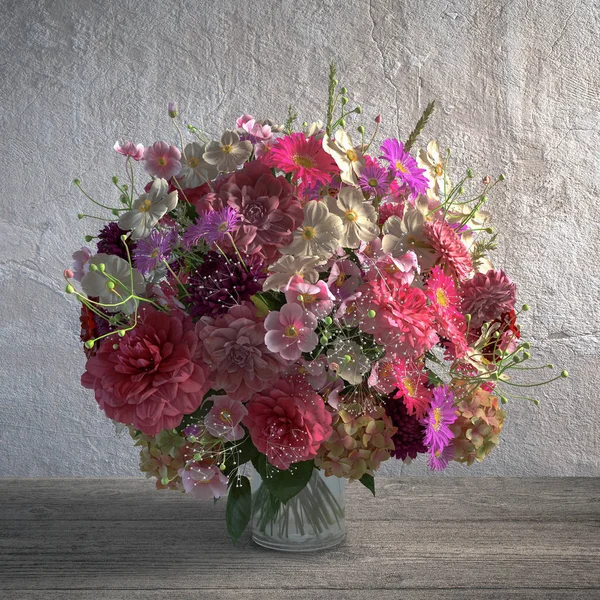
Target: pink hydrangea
(153,377)
(487,296)
(288,423)
(315,298)
(224,418)
(291,331)
(162,160)
(233,347)
(136,151)
(204,482)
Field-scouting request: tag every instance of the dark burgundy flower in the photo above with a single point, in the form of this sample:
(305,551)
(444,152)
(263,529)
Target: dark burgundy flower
(408,440)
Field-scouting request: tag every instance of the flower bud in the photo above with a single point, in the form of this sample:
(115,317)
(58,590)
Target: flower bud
(525,307)
(115,346)
(69,289)
(347,358)
(536,402)
(165,481)
(344,100)
(503,400)
(93,267)
(197,456)
(486,180)
(172,109)
(121,333)
(470,173)
(378,119)
(110,285)
(501,177)
(68,274)
(324,340)
(89,344)
(115,211)
(80,216)
(115,179)
(88,238)
(526,345)
(344,90)
(361,129)
(76,182)
(328,320)
(371,314)
(101,267)
(343,122)
(358,110)
(526,355)
(564,374)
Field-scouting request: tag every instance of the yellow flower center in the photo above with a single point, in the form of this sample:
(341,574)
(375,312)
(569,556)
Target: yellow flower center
(442,297)
(308,298)
(291,331)
(391,268)
(303,161)
(351,216)
(373,182)
(341,278)
(223,227)
(162,161)
(225,416)
(309,233)
(410,386)
(154,253)
(400,166)
(352,156)
(145,206)
(437,416)
(439,170)
(385,370)
(192,162)
(227,149)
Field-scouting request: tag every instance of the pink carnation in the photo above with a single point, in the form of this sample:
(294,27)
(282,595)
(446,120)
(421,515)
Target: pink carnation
(454,256)
(162,160)
(153,377)
(136,151)
(487,296)
(233,347)
(288,423)
(291,331)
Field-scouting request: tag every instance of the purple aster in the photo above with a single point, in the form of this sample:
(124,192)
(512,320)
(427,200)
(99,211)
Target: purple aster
(437,460)
(374,180)
(408,440)
(110,242)
(219,284)
(404,166)
(212,226)
(441,414)
(154,250)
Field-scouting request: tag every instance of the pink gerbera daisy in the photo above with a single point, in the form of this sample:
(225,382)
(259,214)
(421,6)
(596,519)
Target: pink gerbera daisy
(304,157)
(412,390)
(454,256)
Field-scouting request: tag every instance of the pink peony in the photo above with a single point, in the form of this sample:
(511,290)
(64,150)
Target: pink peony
(154,376)
(487,296)
(203,483)
(454,256)
(136,151)
(316,298)
(224,418)
(291,331)
(288,423)
(397,316)
(162,160)
(233,347)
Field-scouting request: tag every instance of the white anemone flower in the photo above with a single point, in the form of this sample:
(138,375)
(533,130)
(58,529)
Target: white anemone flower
(358,217)
(319,234)
(148,209)
(348,158)
(228,154)
(315,129)
(288,267)
(194,169)
(431,160)
(113,283)
(351,364)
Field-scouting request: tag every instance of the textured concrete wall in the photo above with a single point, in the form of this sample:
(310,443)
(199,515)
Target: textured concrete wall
(517,85)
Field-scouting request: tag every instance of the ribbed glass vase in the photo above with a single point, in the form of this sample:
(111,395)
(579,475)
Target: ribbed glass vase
(312,520)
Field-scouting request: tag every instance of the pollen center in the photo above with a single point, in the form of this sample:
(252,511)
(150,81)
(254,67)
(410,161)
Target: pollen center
(373,182)
(303,161)
(437,416)
(192,162)
(351,215)
(308,233)
(442,297)
(227,149)
(291,331)
(351,154)
(145,206)
(439,170)
(162,161)
(225,416)
(400,167)
(341,278)
(410,386)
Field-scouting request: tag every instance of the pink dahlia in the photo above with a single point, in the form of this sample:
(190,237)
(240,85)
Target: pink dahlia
(153,377)
(233,347)
(291,331)
(454,256)
(397,316)
(162,160)
(487,296)
(304,157)
(288,423)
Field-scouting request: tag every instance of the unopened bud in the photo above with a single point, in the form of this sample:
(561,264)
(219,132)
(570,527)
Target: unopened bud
(358,110)
(324,340)
(69,289)
(526,345)
(328,320)
(68,274)
(526,355)
(172,109)
(222,466)
(344,100)
(501,177)
(536,402)
(347,358)
(470,173)
(88,238)
(76,182)
(165,481)
(115,179)
(344,90)
(101,267)
(89,344)
(486,180)
(343,122)
(564,374)
(93,267)
(80,216)
(115,211)
(503,400)
(378,119)
(110,285)
(371,314)
(361,129)
(525,307)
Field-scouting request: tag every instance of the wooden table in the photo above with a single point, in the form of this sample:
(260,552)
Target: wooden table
(421,538)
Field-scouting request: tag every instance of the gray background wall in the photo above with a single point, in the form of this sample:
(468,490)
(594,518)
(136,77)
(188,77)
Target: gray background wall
(517,87)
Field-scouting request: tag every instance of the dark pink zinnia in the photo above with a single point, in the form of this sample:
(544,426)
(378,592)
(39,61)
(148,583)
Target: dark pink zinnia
(454,256)
(487,296)
(154,377)
(288,423)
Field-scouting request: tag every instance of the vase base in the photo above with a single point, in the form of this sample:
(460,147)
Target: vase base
(301,544)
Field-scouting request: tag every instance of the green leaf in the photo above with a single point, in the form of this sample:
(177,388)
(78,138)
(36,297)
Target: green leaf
(239,453)
(369,482)
(284,485)
(239,508)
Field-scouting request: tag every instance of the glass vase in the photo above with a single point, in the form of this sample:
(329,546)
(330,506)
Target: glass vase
(312,520)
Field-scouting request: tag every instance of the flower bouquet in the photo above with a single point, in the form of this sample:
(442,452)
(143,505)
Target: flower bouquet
(299,306)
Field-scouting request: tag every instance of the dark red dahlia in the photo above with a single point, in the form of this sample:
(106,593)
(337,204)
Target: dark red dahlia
(408,440)
(110,242)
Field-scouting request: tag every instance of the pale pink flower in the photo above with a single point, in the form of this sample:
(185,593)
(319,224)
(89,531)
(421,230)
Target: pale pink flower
(136,151)
(344,279)
(81,265)
(402,269)
(224,418)
(315,298)
(162,160)
(313,371)
(383,377)
(204,483)
(291,331)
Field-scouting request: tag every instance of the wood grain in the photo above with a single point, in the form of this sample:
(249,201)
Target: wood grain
(420,538)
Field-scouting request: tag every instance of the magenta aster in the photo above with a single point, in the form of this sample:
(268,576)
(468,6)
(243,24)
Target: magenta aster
(404,166)
(440,416)
(487,296)
(438,460)
(453,254)
(374,180)
(212,227)
(154,250)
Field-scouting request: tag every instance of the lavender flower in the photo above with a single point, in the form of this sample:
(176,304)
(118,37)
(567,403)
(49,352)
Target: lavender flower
(374,180)
(212,226)
(441,414)
(404,166)
(438,460)
(154,250)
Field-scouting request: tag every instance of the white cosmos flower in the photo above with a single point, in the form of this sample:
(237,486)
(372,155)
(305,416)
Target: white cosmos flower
(319,234)
(351,363)
(114,284)
(348,158)
(358,217)
(289,266)
(148,209)
(228,154)
(194,169)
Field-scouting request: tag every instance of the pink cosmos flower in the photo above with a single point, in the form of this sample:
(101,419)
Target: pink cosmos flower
(224,418)
(162,160)
(262,149)
(204,483)
(316,298)
(288,423)
(454,256)
(153,377)
(233,348)
(291,331)
(136,151)
(344,279)
(383,377)
(255,129)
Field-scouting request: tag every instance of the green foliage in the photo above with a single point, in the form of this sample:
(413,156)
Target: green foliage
(412,138)
(238,454)
(239,507)
(481,248)
(369,482)
(283,485)
(291,119)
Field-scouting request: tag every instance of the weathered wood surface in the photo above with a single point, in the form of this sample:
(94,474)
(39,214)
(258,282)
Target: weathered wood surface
(430,538)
